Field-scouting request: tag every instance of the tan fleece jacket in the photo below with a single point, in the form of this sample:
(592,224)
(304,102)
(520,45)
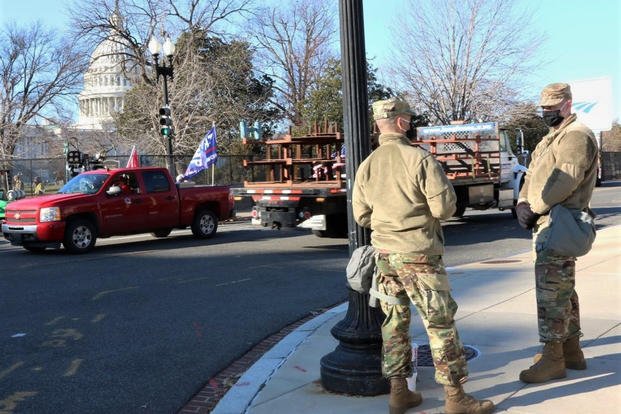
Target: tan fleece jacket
(563,168)
(401,193)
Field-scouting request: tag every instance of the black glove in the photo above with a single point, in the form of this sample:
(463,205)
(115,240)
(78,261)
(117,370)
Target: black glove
(526,217)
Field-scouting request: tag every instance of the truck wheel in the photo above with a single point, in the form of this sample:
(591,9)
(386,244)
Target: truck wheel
(205,224)
(80,236)
(161,233)
(34,249)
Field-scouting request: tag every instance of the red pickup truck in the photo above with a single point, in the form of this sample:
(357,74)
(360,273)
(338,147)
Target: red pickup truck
(104,203)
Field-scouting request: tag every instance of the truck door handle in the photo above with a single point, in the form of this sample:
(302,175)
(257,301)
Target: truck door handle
(170,198)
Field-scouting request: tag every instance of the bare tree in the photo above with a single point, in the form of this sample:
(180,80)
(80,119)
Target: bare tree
(462,59)
(132,23)
(213,84)
(295,42)
(38,73)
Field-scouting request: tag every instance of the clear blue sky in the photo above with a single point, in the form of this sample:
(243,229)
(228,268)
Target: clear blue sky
(583,37)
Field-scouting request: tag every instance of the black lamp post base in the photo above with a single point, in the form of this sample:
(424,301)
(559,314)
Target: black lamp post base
(353,371)
(355,365)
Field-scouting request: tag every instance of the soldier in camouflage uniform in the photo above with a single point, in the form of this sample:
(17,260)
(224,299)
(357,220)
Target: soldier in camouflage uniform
(401,193)
(563,170)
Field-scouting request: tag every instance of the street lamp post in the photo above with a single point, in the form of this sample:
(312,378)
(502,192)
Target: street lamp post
(354,367)
(166,71)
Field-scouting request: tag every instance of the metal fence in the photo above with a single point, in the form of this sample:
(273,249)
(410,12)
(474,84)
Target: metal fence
(53,172)
(611,165)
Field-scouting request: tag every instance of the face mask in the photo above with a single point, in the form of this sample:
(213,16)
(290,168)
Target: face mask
(552,118)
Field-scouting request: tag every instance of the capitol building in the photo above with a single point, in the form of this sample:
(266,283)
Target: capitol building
(106,81)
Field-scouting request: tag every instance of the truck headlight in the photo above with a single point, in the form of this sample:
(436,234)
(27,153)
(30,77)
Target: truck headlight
(49,214)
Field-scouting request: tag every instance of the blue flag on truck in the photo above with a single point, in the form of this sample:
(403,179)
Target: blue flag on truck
(205,156)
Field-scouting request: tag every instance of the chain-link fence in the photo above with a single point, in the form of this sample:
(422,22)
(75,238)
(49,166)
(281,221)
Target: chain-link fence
(228,170)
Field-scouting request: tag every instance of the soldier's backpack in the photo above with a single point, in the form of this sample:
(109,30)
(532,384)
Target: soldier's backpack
(361,276)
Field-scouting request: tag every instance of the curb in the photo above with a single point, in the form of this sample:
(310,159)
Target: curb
(242,393)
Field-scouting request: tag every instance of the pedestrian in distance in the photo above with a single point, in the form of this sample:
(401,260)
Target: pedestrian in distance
(38,187)
(563,171)
(17,182)
(401,193)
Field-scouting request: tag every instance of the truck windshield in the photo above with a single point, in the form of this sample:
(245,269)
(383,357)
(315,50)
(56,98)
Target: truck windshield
(84,184)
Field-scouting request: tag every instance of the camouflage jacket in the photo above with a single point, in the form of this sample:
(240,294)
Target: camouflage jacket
(563,168)
(401,192)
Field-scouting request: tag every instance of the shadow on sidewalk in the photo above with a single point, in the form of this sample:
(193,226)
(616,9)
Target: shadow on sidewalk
(602,372)
(596,378)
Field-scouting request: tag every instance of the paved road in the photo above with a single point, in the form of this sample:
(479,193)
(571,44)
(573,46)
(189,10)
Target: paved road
(139,324)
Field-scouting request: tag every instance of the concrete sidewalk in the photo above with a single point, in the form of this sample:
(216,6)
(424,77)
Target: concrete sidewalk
(497,316)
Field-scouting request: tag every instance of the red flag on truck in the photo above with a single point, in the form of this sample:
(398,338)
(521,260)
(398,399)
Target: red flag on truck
(133,161)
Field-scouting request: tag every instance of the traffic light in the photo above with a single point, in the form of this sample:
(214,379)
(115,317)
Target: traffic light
(166,124)
(74,158)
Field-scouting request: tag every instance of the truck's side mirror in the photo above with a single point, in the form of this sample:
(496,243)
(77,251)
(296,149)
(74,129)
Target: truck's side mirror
(114,190)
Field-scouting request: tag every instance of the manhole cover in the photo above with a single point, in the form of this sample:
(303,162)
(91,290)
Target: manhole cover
(502,261)
(424,358)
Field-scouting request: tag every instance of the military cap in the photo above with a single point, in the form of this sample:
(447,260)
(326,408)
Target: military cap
(554,94)
(389,108)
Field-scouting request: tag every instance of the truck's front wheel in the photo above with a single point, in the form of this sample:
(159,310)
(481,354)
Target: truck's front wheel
(205,224)
(80,236)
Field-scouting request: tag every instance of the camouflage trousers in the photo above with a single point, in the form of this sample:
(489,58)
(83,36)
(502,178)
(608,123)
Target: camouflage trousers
(558,309)
(425,282)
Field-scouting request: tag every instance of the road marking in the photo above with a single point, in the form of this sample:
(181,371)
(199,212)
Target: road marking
(73,367)
(10,403)
(98,317)
(53,321)
(105,292)
(10,369)
(18,335)
(67,333)
(232,282)
(59,337)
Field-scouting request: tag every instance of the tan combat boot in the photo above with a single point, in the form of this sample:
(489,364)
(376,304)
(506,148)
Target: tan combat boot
(574,358)
(401,398)
(550,366)
(458,402)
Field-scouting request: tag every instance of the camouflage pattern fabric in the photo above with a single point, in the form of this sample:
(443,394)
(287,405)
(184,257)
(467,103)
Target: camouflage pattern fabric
(558,309)
(424,280)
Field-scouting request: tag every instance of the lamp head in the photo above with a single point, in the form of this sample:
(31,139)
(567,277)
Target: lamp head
(169,47)
(154,46)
